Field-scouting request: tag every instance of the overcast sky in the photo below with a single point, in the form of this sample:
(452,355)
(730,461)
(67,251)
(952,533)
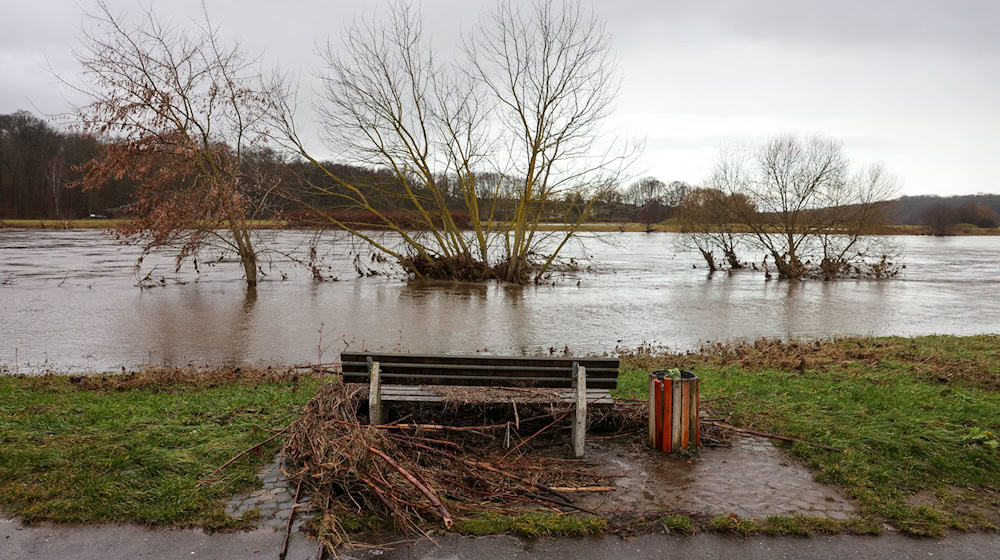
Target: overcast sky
(914,84)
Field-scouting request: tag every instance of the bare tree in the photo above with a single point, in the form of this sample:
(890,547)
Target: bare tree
(503,137)
(180,110)
(645,190)
(55,176)
(852,219)
(706,217)
(804,203)
(941,217)
(654,200)
(651,189)
(675,193)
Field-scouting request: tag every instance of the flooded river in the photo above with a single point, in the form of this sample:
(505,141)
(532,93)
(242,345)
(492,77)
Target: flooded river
(69,301)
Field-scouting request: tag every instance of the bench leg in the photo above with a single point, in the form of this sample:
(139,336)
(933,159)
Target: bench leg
(580,415)
(375,413)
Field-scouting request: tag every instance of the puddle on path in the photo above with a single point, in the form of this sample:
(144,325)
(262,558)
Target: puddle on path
(752,479)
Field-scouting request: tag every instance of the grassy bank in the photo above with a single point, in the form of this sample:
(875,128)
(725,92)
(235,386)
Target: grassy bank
(916,419)
(135,452)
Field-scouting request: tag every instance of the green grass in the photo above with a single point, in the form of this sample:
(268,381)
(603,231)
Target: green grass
(797,525)
(532,525)
(72,455)
(911,421)
(678,524)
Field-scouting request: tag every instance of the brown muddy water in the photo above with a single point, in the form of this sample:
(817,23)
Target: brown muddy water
(69,301)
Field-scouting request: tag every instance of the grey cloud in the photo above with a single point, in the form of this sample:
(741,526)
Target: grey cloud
(912,83)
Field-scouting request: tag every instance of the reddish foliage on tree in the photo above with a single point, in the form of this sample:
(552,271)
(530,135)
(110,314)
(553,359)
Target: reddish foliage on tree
(182,113)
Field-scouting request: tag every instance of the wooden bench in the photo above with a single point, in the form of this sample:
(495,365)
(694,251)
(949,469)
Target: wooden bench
(408,377)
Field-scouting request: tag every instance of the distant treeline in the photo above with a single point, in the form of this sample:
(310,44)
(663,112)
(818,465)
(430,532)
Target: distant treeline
(944,214)
(36,165)
(39,162)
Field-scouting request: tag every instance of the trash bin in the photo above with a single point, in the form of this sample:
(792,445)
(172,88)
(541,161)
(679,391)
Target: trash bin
(673,411)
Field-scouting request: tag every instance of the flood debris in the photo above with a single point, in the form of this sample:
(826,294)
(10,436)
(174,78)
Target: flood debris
(417,474)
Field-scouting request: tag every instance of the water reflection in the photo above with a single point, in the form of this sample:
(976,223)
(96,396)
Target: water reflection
(68,297)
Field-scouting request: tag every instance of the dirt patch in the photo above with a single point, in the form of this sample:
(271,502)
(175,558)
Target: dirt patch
(978,507)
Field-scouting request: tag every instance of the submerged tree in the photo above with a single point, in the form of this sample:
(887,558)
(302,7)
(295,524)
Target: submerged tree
(180,110)
(804,204)
(506,139)
(706,216)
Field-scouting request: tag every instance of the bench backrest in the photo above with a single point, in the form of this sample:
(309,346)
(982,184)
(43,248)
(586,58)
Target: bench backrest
(491,371)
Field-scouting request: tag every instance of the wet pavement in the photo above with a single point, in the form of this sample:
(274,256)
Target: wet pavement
(752,479)
(273,502)
(128,542)
(702,546)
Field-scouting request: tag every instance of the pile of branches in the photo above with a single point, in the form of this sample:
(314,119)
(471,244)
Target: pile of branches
(417,475)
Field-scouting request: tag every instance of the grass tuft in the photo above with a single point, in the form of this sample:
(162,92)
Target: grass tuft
(532,525)
(679,524)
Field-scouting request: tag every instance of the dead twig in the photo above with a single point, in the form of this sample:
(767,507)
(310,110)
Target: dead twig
(723,398)
(425,490)
(583,488)
(769,435)
(244,452)
(518,446)
(288,526)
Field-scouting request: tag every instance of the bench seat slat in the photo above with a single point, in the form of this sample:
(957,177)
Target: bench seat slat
(455,376)
(477,371)
(488,382)
(385,366)
(418,393)
(550,361)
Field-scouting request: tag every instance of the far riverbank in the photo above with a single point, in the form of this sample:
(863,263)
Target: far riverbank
(590,227)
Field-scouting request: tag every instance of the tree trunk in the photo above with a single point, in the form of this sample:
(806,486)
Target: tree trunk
(788,265)
(245,249)
(250,267)
(734,261)
(709,260)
